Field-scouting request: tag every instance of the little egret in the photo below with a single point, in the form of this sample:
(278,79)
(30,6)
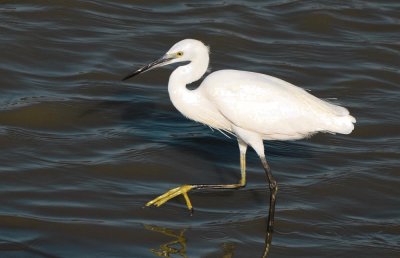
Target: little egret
(251,106)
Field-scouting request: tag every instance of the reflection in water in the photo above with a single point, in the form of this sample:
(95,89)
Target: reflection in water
(178,245)
(267,245)
(228,249)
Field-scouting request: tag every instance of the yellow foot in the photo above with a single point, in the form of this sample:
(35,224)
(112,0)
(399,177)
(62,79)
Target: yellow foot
(160,200)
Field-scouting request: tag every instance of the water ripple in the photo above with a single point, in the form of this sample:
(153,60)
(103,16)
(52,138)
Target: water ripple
(83,152)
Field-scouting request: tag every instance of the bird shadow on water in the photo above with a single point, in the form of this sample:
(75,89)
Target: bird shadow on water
(209,146)
(183,135)
(14,247)
(192,140)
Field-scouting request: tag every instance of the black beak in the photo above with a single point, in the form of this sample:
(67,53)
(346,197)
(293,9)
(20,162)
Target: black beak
(148,67)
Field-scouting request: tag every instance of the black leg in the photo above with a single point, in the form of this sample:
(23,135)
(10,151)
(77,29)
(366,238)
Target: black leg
(273,187)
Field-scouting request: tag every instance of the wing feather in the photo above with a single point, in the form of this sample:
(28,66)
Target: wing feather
(268,105)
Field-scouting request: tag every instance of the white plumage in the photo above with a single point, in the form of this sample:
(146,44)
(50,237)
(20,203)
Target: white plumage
(252,106)
(271,107)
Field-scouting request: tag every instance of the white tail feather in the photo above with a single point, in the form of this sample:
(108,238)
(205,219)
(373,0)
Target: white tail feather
(342,124)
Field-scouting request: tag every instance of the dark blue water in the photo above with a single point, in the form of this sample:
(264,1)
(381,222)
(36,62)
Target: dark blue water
(82,152)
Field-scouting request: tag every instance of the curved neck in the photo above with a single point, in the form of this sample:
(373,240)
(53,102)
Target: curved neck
(182,98)
(187,74)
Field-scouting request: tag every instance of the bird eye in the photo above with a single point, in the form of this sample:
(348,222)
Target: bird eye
(180,53)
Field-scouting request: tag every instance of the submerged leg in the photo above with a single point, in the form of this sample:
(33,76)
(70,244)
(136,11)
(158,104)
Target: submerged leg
(273,187)
(184,189)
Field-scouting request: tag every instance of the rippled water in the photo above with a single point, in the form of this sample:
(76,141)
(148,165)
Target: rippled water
(82,152)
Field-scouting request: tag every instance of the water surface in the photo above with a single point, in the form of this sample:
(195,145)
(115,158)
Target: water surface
(82,152)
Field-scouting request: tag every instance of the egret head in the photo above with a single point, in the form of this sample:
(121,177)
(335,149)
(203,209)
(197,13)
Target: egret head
(185,50)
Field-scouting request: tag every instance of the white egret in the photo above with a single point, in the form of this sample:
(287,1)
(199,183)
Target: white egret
(252,106)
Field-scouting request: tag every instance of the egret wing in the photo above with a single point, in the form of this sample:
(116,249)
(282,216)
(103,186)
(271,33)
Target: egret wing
(268,105)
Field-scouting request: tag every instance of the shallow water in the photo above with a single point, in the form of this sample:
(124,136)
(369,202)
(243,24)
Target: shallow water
(82,152)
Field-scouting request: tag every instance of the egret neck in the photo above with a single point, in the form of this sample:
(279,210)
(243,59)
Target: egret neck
(183,98)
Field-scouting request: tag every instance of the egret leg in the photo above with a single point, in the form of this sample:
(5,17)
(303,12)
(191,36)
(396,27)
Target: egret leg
(184,189)
(273,187)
